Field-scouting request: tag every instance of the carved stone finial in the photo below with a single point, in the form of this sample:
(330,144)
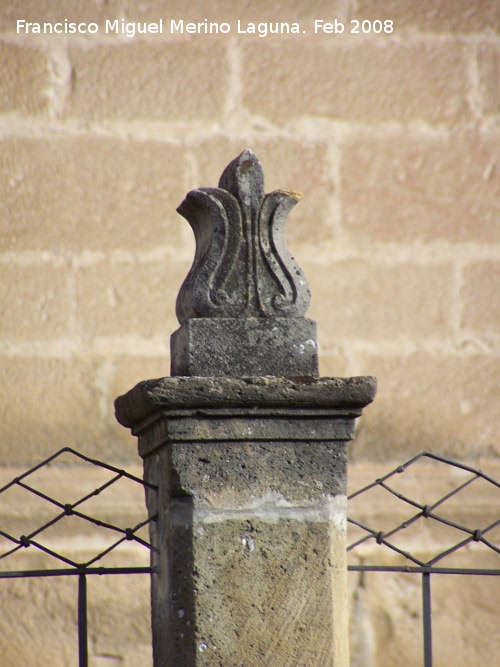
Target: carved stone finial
(242,266)
(242,304)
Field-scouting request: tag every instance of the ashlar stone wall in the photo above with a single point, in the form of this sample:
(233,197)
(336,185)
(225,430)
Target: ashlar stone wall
(394,141)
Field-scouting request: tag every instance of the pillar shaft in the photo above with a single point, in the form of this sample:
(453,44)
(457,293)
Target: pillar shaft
(251,516)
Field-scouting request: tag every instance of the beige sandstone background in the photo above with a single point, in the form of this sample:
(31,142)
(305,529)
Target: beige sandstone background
(394,141)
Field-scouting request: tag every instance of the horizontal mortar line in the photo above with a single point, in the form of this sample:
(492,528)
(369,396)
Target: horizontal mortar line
(394,254)
(330,510)
(140,130)
(389,254)
(35,258)
(412,36)
(87,258)
(297,128)
(68,348)
(401,348)
(334,130)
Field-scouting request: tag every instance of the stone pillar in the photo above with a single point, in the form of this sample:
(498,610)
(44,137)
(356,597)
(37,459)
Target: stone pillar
(248,448)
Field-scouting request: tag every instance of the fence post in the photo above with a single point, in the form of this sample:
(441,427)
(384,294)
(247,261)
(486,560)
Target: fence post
(427,618)
(83,657)
(248,447)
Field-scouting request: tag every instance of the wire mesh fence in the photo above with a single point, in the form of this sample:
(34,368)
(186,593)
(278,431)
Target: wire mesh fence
(60,514)
(395,531)
(401,536)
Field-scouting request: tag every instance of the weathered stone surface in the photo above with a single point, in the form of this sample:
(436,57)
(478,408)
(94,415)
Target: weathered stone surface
(104,292)
(38,302)
(481,298)
(469,415)
(489,78)
(253,580)
(434,16)
(268,591)
(126,81)
(288,160)
(25,77)
(225,474)
(61,410)
(366,81)
(418,188)
(125,179)
(251,476)
(242,272)
(242,266)
(214,346)
(153,396)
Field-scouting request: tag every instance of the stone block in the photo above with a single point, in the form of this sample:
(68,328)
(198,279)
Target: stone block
(40,613)
(129,370)
(289,471)
(433,16)
(39,625)
(122,299)
(368,83)
(151,397)
(57,10)
(267,591)
(418,188)
(79,193)
(25,78)
(119,619)
(289,164)
(333,363)
(480,298)
(489,78)
(149,82)
(387,619)
(446,403)
(386,608)
(212,347)
(36,302)
(224,10)
(371,301)
(26,636)
(48,404)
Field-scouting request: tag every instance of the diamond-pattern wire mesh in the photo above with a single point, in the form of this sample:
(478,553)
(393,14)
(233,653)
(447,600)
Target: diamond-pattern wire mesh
(433,512)
(63,510)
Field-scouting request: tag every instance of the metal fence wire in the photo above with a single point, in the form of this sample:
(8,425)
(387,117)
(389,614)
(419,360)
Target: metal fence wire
(35,538)
(413,562)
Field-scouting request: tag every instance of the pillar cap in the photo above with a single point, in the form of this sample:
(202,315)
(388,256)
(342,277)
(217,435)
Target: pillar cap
(153,396)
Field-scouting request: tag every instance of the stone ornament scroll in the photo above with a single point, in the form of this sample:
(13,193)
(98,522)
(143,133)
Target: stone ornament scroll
(244,280)
(242,266)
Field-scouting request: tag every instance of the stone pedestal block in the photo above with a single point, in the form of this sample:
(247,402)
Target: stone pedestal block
(251,477)
(233,347)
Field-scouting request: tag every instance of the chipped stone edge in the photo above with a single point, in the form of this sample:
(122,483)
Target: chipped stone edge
(152,396)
